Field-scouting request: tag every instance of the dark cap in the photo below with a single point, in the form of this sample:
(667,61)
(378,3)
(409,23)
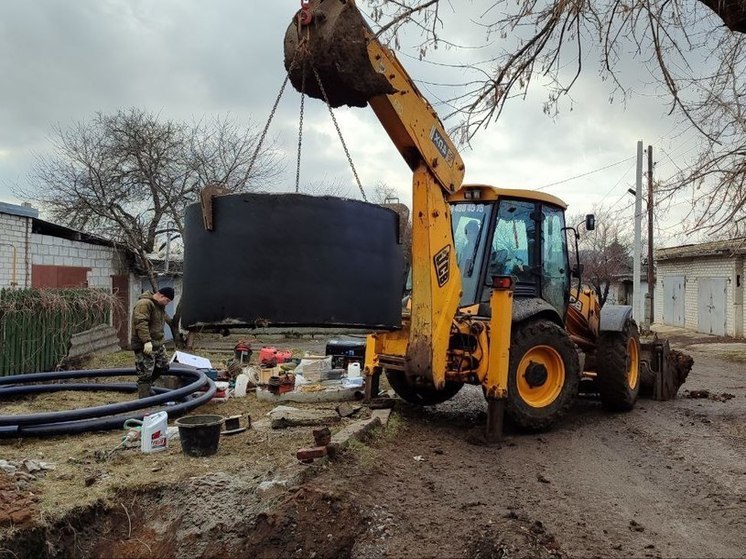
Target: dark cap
(167,292)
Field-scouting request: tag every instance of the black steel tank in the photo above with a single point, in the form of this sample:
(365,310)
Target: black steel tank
(292,259)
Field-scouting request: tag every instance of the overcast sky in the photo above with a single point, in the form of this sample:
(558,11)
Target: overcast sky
(62,61)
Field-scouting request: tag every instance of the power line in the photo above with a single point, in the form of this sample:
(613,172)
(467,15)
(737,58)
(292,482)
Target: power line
(616,184)
(583,174)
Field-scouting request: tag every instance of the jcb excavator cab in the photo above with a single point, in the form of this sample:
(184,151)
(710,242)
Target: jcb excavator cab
(522,235)
(512,233)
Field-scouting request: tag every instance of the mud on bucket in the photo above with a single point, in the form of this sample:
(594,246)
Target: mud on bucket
(200,434)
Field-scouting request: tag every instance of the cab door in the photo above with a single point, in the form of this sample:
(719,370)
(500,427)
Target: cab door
(555,284)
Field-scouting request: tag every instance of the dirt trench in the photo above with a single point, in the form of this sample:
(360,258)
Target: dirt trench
(308,522)
(214,516)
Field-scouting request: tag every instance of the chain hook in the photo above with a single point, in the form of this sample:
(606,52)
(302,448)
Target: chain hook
(305,17)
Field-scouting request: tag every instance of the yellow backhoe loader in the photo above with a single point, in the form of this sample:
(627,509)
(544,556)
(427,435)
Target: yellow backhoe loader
(491,300)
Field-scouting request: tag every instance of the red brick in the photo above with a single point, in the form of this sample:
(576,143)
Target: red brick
(311,453)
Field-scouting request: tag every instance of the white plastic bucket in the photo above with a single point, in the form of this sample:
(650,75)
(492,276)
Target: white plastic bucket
(242,382)
(154,433)
(353,370)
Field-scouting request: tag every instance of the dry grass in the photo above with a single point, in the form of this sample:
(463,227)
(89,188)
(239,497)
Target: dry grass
(84,473)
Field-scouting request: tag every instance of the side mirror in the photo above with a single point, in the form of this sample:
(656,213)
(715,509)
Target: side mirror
(577,271)
(590,222)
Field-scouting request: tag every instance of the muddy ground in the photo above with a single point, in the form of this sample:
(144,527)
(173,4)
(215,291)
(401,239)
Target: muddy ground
(666,480)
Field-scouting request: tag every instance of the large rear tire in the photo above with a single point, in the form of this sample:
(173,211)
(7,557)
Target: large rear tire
(421,395)
(543,376)
(618,367)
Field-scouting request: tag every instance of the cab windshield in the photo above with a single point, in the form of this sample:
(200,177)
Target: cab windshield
(470,224)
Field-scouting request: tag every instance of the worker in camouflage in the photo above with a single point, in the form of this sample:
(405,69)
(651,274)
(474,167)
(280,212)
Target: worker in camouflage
(148,319)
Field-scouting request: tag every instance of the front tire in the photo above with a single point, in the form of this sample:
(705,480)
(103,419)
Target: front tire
(543,376)
(421,395)
(618,367)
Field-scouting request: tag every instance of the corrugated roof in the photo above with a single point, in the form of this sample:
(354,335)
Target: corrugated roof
(730,247)
(22,211)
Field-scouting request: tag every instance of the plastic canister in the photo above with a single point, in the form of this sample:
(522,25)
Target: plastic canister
(242,382)
(353,370)
(154,432)
(267,354)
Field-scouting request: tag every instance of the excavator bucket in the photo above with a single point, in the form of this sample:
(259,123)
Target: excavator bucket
(662,370)
(328,42)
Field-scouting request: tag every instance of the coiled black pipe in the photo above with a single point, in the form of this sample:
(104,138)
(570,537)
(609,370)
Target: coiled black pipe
(75,386)
(99,417)
(198,380)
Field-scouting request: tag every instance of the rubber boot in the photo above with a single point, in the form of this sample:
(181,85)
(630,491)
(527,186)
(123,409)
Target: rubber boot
(143,390)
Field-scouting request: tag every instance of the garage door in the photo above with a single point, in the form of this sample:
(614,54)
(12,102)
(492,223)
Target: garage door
(45,277)
(673,300)
(711,306)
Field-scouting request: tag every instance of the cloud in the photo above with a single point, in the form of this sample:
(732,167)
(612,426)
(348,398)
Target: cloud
(63,61)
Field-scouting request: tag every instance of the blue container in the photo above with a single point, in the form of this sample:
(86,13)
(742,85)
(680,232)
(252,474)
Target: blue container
(211,373)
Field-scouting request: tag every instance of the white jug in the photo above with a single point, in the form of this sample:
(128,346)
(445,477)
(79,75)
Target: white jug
(353,370)
(154,433)
(242,382)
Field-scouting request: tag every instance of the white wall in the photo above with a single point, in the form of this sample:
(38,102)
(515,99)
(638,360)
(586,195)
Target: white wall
(692,269)
(103,261)
(13,231)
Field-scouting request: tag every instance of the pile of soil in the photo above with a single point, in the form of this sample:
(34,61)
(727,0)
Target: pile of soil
(17,506)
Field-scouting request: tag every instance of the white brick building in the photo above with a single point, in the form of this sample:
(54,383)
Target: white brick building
(700,287)
(37,253)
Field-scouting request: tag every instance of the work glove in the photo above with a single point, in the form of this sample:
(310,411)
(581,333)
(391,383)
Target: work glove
(148,348)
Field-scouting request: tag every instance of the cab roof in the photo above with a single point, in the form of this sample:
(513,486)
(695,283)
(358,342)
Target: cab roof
(493,193)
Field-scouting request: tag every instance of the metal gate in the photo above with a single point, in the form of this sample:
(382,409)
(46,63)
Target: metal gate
(673,300)
(711,306)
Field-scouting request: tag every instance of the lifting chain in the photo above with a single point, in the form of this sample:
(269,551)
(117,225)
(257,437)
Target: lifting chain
(300,128)
(339,132)
(269,121)
(272,115)
(303,47)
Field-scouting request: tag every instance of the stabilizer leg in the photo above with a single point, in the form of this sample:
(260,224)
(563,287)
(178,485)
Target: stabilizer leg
(495,418)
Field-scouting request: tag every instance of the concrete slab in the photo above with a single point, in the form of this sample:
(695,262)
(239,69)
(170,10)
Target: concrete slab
(356,430)
(664,331)
(284,416)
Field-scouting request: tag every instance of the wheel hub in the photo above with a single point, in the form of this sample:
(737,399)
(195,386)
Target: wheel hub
(536,374)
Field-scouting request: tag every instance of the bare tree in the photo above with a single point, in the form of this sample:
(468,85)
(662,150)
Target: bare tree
(605,252)
(698,62)
(129,176)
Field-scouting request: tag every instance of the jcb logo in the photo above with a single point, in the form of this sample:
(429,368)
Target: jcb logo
(441,145)
(442,262)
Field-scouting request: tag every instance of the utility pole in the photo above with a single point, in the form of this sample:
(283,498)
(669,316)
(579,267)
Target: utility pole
(636,295)
(650,307)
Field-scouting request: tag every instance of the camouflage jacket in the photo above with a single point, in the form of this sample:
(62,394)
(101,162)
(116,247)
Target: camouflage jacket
(148,319)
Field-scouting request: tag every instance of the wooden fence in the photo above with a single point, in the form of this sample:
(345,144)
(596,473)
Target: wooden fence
(36,325)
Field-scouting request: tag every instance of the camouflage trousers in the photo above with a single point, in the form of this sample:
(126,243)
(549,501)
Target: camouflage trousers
(150,367)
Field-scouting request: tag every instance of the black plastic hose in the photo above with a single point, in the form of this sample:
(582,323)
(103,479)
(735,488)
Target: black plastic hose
(198,380)
(97,418)
(74,386)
